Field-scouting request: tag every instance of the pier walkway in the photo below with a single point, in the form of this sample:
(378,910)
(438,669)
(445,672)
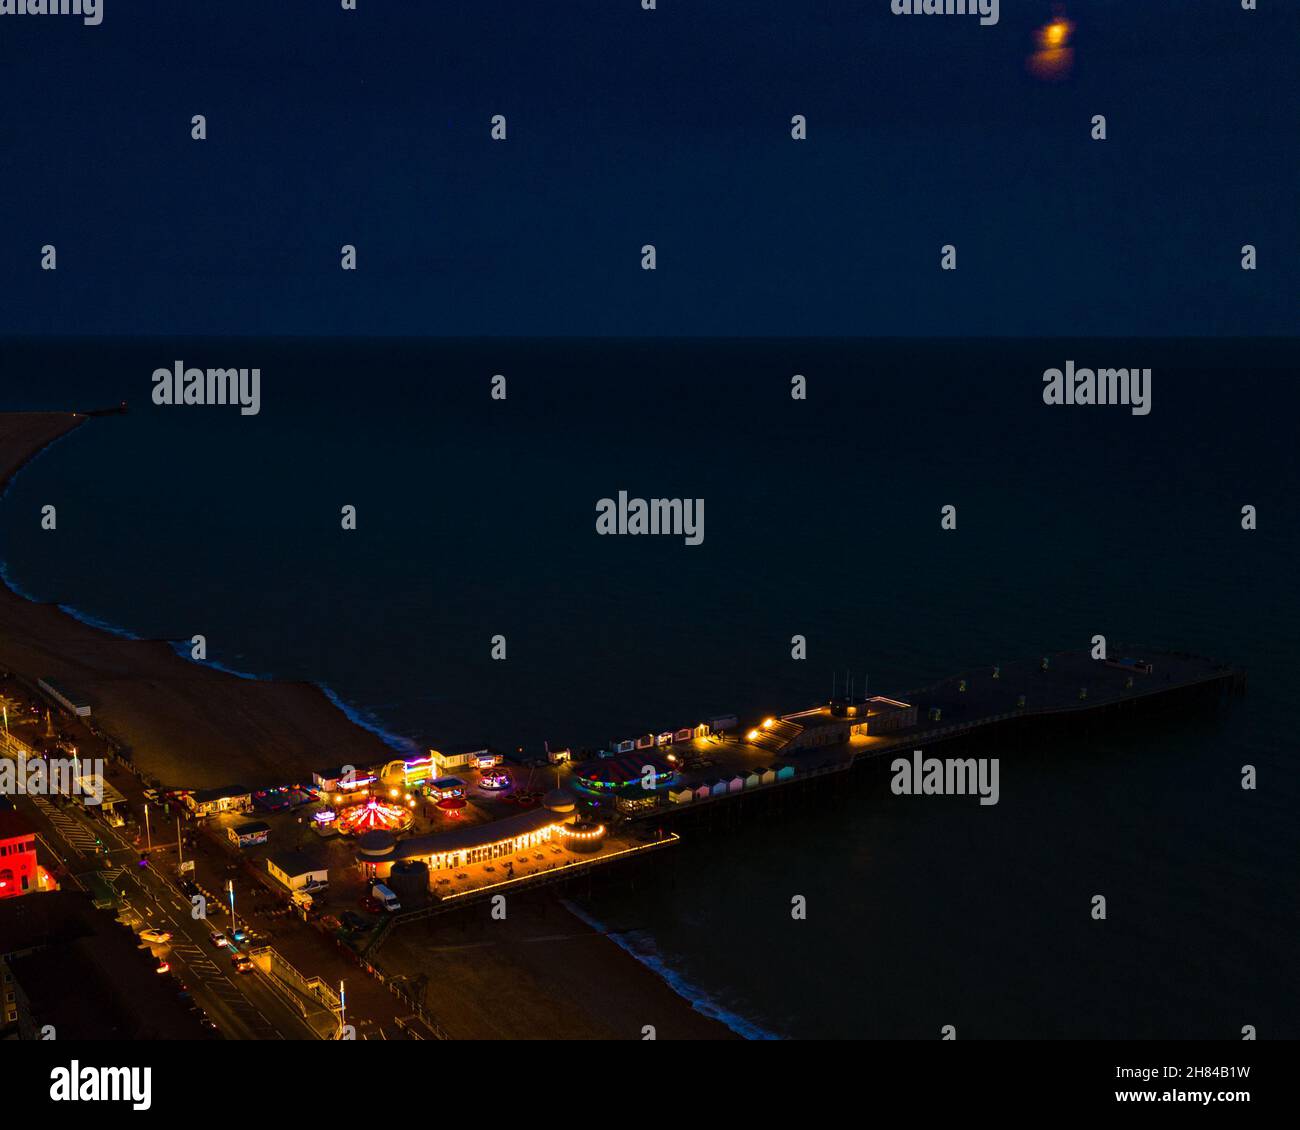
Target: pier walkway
(1065,684)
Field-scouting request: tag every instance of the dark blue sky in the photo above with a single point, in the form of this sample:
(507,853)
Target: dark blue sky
(626,127)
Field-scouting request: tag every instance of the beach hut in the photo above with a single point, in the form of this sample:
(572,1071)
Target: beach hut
(665,738)
(769,776)
(719,788)
(328,780)
(298,871)
(249,835)
(754,779)
(446,787)
(736,783)
(684,735)
(645,741)
(703,792)
(785,773)
(208,802)
(625,747)
(443,761)
(683,795)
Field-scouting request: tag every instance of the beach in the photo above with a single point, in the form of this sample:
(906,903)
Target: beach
(542,973)
(545,975)
(182,724)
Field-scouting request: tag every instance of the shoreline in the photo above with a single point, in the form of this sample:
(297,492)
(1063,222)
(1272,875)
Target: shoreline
(182,723)
(543,972)
(199,726)
(699,999)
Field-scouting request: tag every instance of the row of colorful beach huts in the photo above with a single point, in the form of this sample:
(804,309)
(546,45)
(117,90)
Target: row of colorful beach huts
(726,785)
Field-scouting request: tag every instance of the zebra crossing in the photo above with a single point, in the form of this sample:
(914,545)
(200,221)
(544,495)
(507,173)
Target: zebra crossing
(239,1004)
(72,831)
(196,959)
(200,965)
(150,899)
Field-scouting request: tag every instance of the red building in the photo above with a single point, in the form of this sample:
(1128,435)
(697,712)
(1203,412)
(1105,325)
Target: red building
(17,855)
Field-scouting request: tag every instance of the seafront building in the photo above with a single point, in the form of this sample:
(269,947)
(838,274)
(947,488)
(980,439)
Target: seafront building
(556,820)
(18,867)
(657,770)
(482,824)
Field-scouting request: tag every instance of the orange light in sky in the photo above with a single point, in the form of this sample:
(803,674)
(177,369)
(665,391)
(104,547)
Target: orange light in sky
(1055,34)
(1054,57)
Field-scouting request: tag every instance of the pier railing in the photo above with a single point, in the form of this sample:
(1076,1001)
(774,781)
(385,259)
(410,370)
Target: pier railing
(310,996)
(15,747)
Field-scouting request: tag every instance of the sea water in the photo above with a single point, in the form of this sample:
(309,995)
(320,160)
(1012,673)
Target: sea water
(475,518)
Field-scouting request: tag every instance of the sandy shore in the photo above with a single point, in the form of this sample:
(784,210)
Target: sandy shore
(184,724)
(544,976)
(541,974)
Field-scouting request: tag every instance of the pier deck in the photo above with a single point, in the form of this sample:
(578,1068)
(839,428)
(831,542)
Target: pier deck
(1073,684)
(985,703)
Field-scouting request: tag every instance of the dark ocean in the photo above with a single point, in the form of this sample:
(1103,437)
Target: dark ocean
(822,518)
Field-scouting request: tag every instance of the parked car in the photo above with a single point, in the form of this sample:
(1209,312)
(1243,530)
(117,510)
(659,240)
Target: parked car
(371,905)
(154,936)
(219,939)
(242,962)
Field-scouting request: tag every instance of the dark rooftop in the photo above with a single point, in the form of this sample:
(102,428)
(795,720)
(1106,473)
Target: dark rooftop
(474,835)
(13,824)
(201,795)
(85,973)
(295,862)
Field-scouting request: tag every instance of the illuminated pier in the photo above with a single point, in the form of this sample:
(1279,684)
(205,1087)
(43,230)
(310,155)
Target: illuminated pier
(608,806)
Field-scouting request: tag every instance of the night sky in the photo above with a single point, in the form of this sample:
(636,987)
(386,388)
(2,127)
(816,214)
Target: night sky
(669,127)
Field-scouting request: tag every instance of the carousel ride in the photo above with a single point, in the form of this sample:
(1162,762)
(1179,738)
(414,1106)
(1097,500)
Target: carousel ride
(374,815)
(495,780)
(452,806)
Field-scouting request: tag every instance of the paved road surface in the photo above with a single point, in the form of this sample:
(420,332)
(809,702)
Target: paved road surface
(243,1006)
